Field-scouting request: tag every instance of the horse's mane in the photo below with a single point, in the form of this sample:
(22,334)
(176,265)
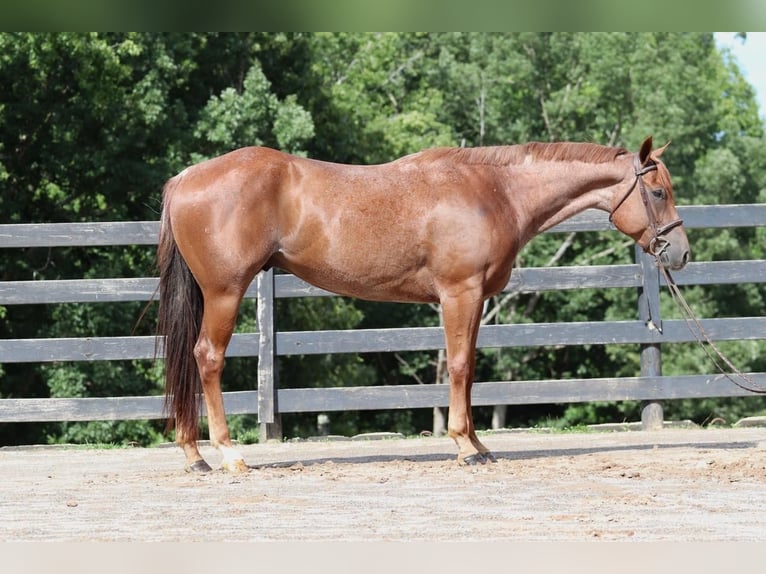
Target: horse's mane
(533,151)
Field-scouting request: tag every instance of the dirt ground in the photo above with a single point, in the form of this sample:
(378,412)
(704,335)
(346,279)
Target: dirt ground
(673,484)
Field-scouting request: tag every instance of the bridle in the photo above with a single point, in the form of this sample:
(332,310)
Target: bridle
(656,247)
(658,243)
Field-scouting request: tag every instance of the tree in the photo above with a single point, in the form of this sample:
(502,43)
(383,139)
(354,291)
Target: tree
(86,133)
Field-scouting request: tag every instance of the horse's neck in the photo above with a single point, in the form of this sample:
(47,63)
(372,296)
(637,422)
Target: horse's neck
(563,189)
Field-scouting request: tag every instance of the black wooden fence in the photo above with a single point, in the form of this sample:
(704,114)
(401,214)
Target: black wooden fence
(268,401)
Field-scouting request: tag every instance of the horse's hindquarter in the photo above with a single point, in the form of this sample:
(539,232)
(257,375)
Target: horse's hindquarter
(402,231)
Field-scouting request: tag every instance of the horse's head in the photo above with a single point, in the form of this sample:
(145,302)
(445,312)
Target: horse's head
(645,210)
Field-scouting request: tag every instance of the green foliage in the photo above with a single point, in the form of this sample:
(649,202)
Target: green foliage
(134,433)
(92,124)
(253,116)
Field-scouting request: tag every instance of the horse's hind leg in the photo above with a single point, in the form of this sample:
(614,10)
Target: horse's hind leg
(194,460)
(218,322)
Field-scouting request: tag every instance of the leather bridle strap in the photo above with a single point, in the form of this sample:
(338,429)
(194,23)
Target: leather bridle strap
(657,244)
(639,171)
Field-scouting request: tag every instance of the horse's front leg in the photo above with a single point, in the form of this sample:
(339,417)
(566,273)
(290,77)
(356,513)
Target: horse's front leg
(218,322)
(462,316)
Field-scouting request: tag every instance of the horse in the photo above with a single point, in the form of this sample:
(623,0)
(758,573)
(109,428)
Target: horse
(443,225)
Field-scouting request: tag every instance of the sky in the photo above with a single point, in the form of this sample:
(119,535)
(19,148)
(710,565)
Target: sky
(751,57)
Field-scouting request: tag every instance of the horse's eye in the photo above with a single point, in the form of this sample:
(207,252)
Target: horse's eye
(658,194)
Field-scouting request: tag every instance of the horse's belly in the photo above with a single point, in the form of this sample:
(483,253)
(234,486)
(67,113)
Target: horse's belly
(368,280)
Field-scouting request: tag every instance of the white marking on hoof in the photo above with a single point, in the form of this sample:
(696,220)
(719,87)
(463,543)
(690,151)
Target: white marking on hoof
(232,460)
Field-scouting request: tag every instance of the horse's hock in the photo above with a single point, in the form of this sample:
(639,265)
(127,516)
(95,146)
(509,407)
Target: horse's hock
(672,484)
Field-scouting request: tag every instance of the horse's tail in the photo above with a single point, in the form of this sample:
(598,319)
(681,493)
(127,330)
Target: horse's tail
(179,320)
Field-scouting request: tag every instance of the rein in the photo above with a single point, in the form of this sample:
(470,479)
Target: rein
(702,337)
(656,247)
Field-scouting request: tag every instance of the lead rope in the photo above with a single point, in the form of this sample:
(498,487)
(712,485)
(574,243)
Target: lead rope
(702,337)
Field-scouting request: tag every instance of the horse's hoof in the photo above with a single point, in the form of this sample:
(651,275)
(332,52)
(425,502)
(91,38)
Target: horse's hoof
(474,459)
(489,457)
(198,466)
(235,466)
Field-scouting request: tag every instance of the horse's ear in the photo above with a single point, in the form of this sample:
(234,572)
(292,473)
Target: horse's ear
(646,151)
(658,152)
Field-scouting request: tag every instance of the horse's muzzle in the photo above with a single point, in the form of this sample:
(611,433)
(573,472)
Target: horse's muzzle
(672,251)
(674,263)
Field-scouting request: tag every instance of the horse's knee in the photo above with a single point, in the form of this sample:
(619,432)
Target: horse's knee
(459,369)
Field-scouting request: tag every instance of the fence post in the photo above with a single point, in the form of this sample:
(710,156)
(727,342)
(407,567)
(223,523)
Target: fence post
(649,313)
(268,386)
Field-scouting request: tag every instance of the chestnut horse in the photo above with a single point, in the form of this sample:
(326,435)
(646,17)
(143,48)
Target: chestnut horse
(440,226)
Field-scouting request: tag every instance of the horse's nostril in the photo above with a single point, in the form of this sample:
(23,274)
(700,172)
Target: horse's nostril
(685,258)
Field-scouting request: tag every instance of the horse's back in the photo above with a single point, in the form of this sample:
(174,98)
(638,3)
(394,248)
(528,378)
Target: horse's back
(240,165)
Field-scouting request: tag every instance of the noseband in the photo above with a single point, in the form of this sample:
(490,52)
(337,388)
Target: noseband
(658,243)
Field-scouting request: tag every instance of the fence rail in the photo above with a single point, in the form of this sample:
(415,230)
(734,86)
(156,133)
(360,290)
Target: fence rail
(268,401)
